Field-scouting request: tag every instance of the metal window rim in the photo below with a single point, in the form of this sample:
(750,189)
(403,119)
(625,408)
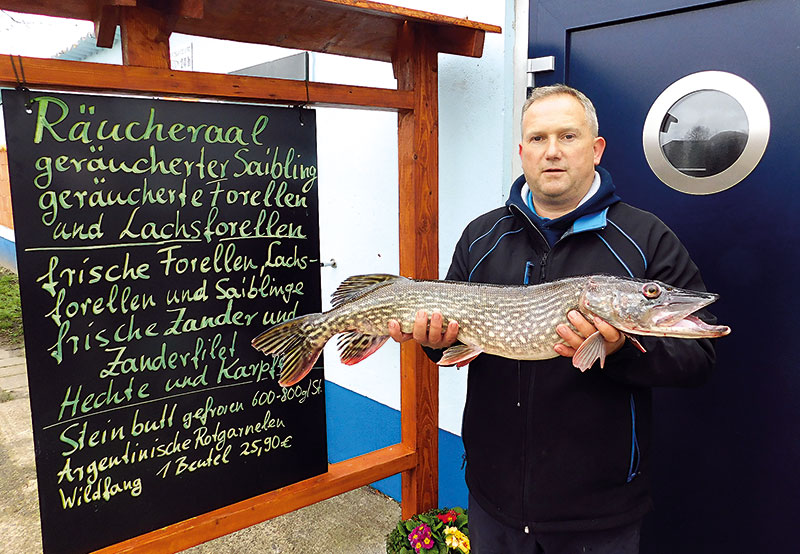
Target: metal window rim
(758,121)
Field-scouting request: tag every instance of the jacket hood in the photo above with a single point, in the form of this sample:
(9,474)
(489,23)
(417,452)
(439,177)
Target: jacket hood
(605,197)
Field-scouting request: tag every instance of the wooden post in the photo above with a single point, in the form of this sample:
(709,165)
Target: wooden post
(145,37)
(415,67)
(6,217)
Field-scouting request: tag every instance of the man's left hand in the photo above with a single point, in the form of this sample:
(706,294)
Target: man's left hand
(614,339)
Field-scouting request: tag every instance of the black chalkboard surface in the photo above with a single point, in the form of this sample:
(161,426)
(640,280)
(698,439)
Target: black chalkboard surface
(154,240)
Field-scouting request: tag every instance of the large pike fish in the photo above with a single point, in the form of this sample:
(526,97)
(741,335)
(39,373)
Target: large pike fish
(517,322)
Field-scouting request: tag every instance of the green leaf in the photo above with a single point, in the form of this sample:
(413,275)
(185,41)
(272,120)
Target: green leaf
(410,525)
(393,541)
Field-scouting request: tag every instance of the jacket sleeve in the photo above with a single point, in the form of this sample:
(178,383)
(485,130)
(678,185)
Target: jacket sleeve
(670,362)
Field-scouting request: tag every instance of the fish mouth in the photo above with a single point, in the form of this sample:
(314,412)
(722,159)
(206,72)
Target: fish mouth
(693,326)
(674,317)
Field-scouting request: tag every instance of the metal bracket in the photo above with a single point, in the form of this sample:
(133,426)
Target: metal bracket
(537,65)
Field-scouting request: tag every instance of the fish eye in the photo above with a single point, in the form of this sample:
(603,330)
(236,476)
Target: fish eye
(651,290)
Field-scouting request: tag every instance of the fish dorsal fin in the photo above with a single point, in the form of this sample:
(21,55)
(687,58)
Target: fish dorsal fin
(353,287)
(354,347)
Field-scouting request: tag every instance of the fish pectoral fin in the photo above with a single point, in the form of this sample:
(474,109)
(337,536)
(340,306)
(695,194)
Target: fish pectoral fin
(460,355)
(635,342)
(591,349)
(354,347)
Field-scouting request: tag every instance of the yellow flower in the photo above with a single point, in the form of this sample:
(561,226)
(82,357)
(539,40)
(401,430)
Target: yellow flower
(451,541)
(454,538)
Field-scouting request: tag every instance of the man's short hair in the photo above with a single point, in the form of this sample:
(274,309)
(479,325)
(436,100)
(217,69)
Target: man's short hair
(542,92)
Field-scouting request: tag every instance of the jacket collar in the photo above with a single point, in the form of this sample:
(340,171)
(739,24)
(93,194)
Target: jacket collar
(589,216)
(590,222)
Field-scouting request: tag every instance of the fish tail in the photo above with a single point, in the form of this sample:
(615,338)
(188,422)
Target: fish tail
(291,342)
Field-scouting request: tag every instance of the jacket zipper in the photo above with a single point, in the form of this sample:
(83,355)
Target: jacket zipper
(531,389)
(543,268)
(543,262)
(543,272)
(532,385)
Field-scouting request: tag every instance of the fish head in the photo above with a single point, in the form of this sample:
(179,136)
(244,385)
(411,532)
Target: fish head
(649,307)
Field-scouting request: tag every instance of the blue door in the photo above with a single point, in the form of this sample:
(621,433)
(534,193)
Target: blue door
(726,456)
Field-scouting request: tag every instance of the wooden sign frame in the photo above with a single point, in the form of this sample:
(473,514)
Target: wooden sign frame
(411,40)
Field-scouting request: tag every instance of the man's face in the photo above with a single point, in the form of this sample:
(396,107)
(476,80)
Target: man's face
(558,152)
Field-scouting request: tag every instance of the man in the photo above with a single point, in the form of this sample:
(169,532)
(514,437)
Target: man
(557,460)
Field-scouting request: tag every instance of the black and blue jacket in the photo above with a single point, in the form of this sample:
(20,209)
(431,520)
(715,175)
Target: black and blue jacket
(548,447)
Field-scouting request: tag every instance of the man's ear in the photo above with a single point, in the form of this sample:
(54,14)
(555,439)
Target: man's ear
(599,147)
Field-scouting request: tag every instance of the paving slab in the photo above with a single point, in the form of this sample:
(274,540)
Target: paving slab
(18,351)
(19,500)
(11,361)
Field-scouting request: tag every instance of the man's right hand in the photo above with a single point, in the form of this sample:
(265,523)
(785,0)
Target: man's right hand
(431,336)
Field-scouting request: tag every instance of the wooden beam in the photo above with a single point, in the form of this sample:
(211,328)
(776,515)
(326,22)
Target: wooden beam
(96,77)
(341,477)
(451,35)
(106,19)
(105,26)
(416,70)
(145,36)
(192,9)
(107,15)
(460,40)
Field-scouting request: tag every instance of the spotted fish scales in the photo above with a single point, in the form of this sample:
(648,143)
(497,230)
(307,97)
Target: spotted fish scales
(517,322)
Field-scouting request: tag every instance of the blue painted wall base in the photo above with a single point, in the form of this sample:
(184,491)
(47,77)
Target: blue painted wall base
(8,253)
(357,425)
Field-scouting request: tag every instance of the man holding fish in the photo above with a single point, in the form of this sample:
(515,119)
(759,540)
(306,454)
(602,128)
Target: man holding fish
(558,459)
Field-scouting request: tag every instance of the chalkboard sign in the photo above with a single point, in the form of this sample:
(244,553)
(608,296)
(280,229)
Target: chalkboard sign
(155,239)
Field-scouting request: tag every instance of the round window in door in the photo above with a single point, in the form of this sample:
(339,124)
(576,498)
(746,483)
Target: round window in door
(706,132)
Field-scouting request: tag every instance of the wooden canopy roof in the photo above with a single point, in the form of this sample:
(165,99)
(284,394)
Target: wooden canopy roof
(357,28)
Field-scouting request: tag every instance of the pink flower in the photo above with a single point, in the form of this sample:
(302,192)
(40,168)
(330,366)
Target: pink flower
(420,538)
